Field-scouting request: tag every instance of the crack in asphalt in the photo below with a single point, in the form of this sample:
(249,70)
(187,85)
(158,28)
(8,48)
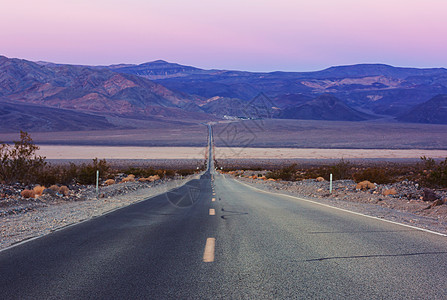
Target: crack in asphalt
(375,255)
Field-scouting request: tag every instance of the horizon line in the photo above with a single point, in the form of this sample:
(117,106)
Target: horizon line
(223,69)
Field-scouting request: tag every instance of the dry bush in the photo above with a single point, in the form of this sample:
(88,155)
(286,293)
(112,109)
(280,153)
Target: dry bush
(186,172)
(319,179)
(110,181)
(389,192)
(86,174)
(365,185)
(150,179)
(434,175)
(154,178)
(27,194)
(377,175)
(64,190)
(286,173)
(131,176)
(19,162)
(128,179)
(342,170)
(54,188)
(38,190)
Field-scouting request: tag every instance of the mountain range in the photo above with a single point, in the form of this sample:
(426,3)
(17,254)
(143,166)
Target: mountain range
(98,96)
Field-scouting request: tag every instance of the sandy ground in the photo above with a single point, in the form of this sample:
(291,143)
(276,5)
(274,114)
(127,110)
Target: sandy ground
(108,152)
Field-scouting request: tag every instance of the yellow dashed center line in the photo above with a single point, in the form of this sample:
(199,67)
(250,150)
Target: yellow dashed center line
(208,254)
(214,199)
(212,211)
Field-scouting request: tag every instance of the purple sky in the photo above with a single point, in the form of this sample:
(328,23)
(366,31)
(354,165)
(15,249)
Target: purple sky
(255,35)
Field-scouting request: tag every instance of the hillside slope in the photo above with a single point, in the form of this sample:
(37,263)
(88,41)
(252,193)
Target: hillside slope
(324,107)
(434,111)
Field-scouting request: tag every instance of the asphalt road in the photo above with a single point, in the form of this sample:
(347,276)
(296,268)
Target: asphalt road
(267,246)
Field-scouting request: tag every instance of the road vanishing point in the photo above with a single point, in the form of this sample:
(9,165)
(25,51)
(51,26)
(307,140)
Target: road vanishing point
(217,238)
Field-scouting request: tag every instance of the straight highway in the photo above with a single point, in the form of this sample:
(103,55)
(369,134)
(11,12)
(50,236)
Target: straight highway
(217,238)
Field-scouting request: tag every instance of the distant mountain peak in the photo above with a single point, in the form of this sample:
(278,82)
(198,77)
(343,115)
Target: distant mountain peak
(159,61)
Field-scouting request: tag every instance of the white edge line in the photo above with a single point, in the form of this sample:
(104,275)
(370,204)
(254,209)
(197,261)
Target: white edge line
(344,210)
(86,220)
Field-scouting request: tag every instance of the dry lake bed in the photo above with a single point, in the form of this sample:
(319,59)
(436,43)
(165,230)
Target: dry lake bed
(110,152)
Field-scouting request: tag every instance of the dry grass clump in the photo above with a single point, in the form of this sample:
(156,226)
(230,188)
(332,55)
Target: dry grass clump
(64,190)
(319,179)
(27,194)
(129,178)
(389,192)
(365,185)
(149,179)
(54,188)
(38,190)
(154,178)
(110,181)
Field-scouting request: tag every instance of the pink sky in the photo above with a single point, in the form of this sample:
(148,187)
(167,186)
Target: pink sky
(256,35)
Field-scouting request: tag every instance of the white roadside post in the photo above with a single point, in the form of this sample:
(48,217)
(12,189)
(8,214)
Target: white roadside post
(330,183)
(97,182)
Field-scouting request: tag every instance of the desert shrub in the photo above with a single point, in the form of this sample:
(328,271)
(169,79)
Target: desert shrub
(433,174)
(27,194)
(286,173)
(64,190)
(38,190)
(128,179)
(143,172)
(377,175)
(341,170)
(54,188)
(87,172)
(110,181)
(154,178)
(185,172)
(169,173)
(19,162)
(389,192)
(70,174)
(365,185)
(149,179)
(48,176)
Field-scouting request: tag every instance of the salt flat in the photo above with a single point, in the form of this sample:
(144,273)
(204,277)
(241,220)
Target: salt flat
(313,153)
(111,152)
